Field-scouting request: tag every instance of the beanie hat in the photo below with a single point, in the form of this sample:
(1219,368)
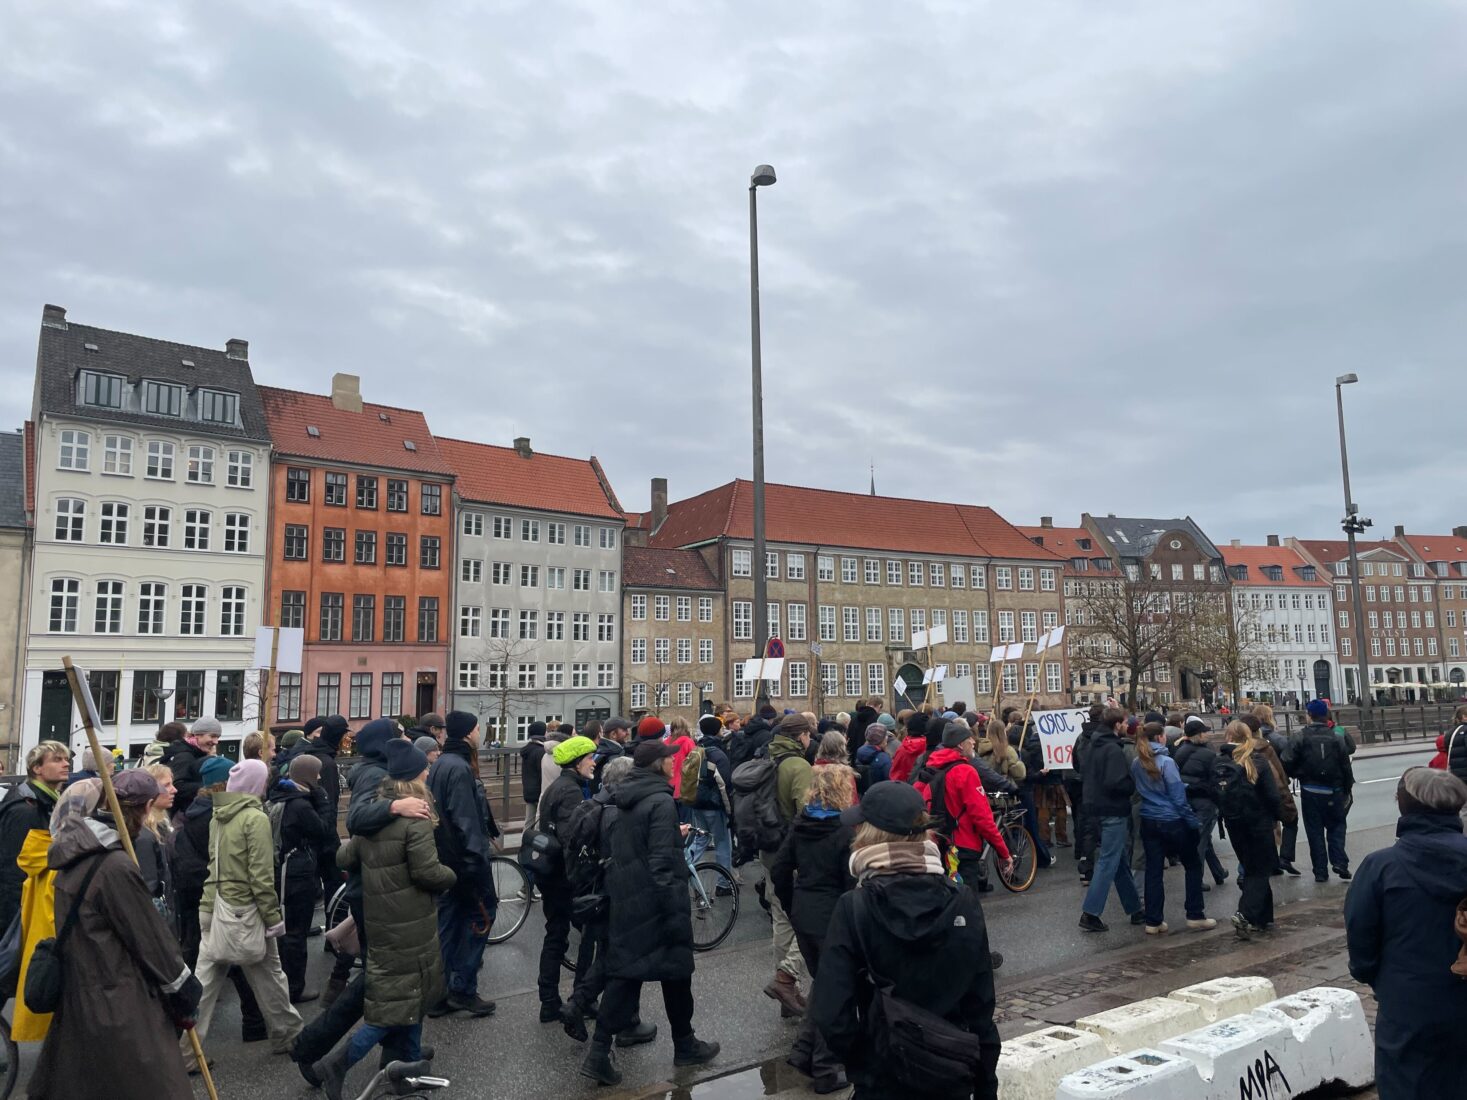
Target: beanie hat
(290,738)
(249,777)
(214,769)
(206,725)
(460,723)
(710,725)
(1317,708)
(135,787)
(537,729)
(651,726)
(425,744)
(312,725)
(917,724)
(305,770)
(372,738)
(887,720)
(954,734)
(573,749)
(793,725)
(333,730)
(403,760)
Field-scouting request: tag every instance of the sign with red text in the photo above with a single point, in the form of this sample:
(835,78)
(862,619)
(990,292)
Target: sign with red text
(1058,730)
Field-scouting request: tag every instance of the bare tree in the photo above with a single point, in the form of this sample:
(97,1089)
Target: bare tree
(499,660)
(659,683)
(1135,612)
(1225,634)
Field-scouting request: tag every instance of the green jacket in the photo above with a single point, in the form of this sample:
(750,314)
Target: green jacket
(793,779)
(400,875)
(242,857)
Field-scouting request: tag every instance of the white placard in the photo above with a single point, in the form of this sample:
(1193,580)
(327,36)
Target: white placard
(1041,643)
(1056,636)
(1015,652)
(88,703)
(288,656)
(900,685)
(960,689)
(1058,730)
(919,639)
(935,675)
(772,667)
(999,655)
(937,635)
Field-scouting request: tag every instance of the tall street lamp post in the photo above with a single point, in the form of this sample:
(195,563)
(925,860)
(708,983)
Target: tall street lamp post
(763,177)
(1354,525)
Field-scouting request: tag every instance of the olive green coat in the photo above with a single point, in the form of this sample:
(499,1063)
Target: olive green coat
(400,876)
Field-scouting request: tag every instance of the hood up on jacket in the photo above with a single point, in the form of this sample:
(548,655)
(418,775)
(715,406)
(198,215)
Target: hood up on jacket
(75,844)
(1432,853)
(228,805)
(639,785)
(910,907)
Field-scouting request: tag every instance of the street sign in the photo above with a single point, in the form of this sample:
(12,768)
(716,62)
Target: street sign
(816,648)
(775,648)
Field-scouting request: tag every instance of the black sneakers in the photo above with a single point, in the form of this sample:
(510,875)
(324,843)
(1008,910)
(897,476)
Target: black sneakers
(1091,923)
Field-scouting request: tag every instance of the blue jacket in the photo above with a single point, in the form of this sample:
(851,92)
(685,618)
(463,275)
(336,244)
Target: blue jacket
(1165,798)
(877,759)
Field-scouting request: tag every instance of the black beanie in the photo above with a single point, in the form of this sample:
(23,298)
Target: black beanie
(312,725)
(917,725)
(459,723)
(333,729)
(404,761)
(710,725)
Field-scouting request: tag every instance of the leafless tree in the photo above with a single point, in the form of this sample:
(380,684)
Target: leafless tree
(1225,634)
(499,660)
(1136,614)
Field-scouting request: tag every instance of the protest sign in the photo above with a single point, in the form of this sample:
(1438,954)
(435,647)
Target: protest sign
(1058,730)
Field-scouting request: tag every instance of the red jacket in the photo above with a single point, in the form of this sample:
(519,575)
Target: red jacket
(1439,761)
(684,746)
(912,746)
(966,802)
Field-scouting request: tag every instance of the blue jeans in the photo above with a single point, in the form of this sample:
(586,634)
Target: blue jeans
(1324,817)
(1206,811)
(1110,866)
(459,917)
(714,822)
(407,1039)
(1176,840)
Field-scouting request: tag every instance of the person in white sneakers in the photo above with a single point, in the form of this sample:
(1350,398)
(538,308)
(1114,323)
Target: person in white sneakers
(1169,830)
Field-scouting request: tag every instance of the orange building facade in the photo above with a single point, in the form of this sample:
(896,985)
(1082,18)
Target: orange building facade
(361,555)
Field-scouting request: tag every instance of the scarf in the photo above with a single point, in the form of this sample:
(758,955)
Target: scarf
(896,859)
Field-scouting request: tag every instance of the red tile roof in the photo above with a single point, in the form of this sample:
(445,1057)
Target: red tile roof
(1329,551)
(654,567)
(1286,557)
(363,438)
(1431,548)
(1064,541)
(549,483)
(823,517)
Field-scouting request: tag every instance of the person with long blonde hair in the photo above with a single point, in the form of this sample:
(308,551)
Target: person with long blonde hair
(1249,801)
(1169,830)
(154,846)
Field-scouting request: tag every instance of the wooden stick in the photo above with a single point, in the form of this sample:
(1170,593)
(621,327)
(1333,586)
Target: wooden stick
(110,793)
(272,691)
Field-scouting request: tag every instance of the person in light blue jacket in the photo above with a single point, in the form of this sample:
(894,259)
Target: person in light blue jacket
(1169,830)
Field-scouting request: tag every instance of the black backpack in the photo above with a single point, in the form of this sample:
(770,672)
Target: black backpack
(1237,799)
(757,820)
(585,863)
(935,779)
(1316,760)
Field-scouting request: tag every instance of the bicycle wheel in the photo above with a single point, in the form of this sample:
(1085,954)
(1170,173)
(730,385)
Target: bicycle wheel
(336,911)
(512,887)
(11,1053)
(715,899)
(1026,864)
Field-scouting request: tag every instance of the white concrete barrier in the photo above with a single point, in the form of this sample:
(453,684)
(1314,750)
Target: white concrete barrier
(1139,1075)
(1329,1025)
(1248,1056)
(1141,1023)
(1031,1066)
(1224,997)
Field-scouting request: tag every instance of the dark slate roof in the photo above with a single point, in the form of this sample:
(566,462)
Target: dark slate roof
(1136,538)
(653,567)
(63,353)
(12,480)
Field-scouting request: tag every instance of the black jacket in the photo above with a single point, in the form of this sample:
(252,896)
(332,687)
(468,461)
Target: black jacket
(191,851)
(184,761)
(26,807)
(330,781)
(303,830)
(744,744)
(464,820)
(367,814)
(1108,782)
(1398,926)
(650,938)
(811,870)
(708,796)
(531,754)
(927,936)
(1082,746)
(1317,755)
(1031,754)
(1194,762)
(856,733)
(1267,788)
(607,750)
(1457,752)
(564,795)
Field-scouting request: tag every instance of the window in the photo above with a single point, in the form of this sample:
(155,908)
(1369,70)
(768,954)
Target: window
(705,651)
(580,626)
(144,701)
(1010,679)
(200,465)
(937,574)
(608,538)
(397,501)
(661,608)
(526,676)
(1003,578)
(872,570)
(333,544)
(581,580)
(469,621)
(188,695)
(328,692)
(978,575)
(529,625)
(685,694)
(297,542)
(555,675)
(152,599)
(336,490)
(428,551)
(71,518)
(1028,627)
(685,651)
(980,626)
(117,455)
(196,529)
(193,605)
(293,609)
(394,611)
(829,682)
(432,501)
(848,570)
(471,570)
(1046,581)
(582,535)
(396,548)
(359,699)
(896,624)
(160,460)
(367,497)
(826,616)
(297,484)
(742,564)
(796,622)
(771,616)
(639,696)
(960,626)
(288,697)
(472,524)
(530,577)
(236,533)
(75,449)
(163,398)
(852,679)
(555,535)
(239,470)
(156,523)
(101,390)
(217,407)
(639,651)
(705,609)
(333,605)
(959,575)
(529,530)
(366,548)
(794,566)
(851,623)
(799,679)
(873,624)
(638,610)
(363,618)
(876,678)
(605,628)
(427,618)
(743,620)
(916,575)
(893,572)
(684,609)
(109,607)
(580,674)
(824,567)
(919,619)
(555,626)
(1005,626)
(606,582)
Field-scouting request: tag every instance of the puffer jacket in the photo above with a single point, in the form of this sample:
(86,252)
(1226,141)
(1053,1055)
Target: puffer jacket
(401,877)
(813,869)
(905,760)
(244,872)
(650,934)
(793,777)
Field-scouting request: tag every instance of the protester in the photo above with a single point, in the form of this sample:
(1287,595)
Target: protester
(429,747)
(90,768)
(905,924)
(1087,836)
(1456,746)
(1050,806)
(575,757)
(168,734)
(680,737)
(995,751)
(125,985)
(873,762)
(1108,791)
(323,741)
(1169,830)
(650,934)
(792,781)
(745,743)
(153,847)
(401,875)
(1284,837)
(1024,737)
(1195,758)
(258,745)
(914,745)
(1399,927)
(1248,798)
(28,806)
(300,819)
(610,745)
(186,757)
(711,806)
(531,755)
(431,726)
(960,811)
(810,873)
(1321,763)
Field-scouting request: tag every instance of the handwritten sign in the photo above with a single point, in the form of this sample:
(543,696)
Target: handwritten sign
(1058,730)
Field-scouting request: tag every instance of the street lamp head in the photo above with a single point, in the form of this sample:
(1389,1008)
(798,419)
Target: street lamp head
(1347,379)
(763,176)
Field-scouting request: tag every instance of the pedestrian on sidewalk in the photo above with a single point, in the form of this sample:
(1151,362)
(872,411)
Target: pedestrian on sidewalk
(1286,831)
(908,925)
(810,873)
(1399,918)
(576,757)
(961,814)
(1321,763)
(1248,799)
(1108,792)
(1086,837)
(1195,758)
(299,817)
(531,755)
(792,782)
(650,932)
(1169,830)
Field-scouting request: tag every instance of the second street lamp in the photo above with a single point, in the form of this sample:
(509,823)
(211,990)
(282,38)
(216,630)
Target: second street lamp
(1353,525)
(763,177)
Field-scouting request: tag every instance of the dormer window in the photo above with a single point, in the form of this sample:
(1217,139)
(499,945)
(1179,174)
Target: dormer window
(104,391)
(1308,573)
(1274,572)
(218,407)
(1083,544)
(162,399)
(1240,572)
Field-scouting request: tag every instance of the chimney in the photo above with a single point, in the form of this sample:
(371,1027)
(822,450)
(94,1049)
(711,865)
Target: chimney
(659,502)
(346,392)
(1046,521)
(522,447)
(53,317)
(1273,540)
(1400,530)
(1459,532)
(1236,543)
(237,349)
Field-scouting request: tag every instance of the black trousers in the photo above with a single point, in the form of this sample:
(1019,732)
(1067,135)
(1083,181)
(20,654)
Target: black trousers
(590,978)
(556,896)
(621,1006)
(1257,855)
(809,1042)
(252,1020)
(1084,840)
(299,904)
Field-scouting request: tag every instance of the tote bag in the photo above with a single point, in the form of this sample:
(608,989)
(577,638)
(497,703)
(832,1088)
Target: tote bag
(236,933)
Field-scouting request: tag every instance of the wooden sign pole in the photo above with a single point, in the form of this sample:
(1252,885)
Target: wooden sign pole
(110,794)
(272,690)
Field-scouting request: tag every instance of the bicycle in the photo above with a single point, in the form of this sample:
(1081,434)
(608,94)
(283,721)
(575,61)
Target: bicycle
(403,1079)
(1009,817)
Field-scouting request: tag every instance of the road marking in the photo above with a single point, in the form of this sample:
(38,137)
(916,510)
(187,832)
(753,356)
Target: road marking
(1387,779)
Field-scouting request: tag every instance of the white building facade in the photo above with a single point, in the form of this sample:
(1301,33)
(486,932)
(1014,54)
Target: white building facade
(1286,609)
(151,465)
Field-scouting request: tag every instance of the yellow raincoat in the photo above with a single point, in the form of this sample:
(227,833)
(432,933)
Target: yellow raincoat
(37,922)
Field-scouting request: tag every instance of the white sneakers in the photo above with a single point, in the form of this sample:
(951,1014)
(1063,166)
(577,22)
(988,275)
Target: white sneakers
(1204,925)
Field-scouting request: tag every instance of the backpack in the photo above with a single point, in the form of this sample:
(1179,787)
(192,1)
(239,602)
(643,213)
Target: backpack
(1237,799)
(935,779)
(275,811)
(1316,762)
(585,864)
(694,766)
(756,805)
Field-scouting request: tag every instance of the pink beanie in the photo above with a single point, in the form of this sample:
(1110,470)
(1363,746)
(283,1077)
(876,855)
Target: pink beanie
(249,777)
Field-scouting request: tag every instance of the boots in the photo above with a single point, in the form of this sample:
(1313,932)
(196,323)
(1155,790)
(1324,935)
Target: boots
(786,991)
(639,1033)
(331,1071)
(335,986)
(573,1023)
(600,1066)
(693,1051)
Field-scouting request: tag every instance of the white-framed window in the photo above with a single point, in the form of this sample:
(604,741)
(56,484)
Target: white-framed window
(796,621)
(580,626)
(639,651)
(937,574)
(499,622)
(848,567)
(980,627)
(471,570)
(851,623)
(529,576)
(960,625)
(1053,677)
(915,574)
(232,611)
(71,519)
(876,678)
(605,580)
(771,564)
(200,465)
(581,580)
(1026,578)
(705,609)
(685,694)
(555,534)
(555,577)
(959,575)
(472,523)
(236,533)
(239,470)
(529,625)
(101,390)
(799,679)
(893,572)
(638,608)
(639,696)
(1010,679)
(108,618)
(555,674)
(873,624)
(160,460)
(896,624)
(743,620)
(742,563)
(662,608)
(152,599)
(1003,578)
(771,616)
(1028,626)
(852,679)
(527,676)
(605,627)
(685,609)
(1006,626)
(193,609)
(829,678)
(824,567)
(502,527)
(826,620)
(65,595)
(468,675)
(196,526)
(794,565)
(872,570)
(685,651)
(470,621)
(608,538)
(742,689)
(74,451)
(919,619)
(157,521)
(1046,580)
(978,575)
(705,651)
(117,455)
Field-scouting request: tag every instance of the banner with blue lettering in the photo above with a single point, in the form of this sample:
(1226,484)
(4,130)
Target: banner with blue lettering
(1058,730)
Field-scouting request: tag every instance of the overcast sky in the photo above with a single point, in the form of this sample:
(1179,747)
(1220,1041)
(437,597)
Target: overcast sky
(1048,257)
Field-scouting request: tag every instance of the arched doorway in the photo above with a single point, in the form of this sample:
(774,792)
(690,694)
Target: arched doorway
(916,692)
